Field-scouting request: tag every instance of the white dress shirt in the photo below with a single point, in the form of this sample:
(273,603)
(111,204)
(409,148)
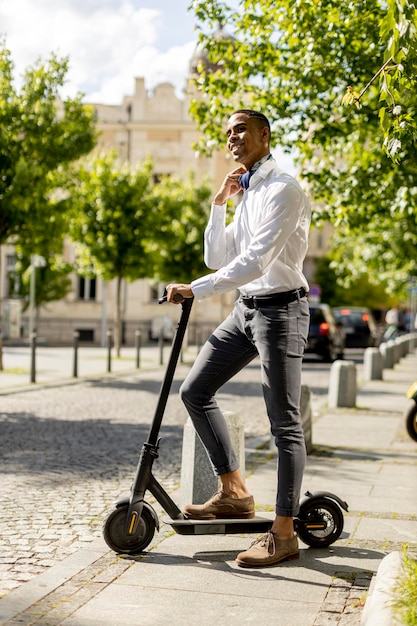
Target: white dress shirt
(262,250)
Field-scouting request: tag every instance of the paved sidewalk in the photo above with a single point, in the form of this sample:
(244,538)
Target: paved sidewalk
(364,455)
(56,365)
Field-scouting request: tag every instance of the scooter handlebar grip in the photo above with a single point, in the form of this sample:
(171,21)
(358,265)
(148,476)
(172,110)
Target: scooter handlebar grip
(177,298)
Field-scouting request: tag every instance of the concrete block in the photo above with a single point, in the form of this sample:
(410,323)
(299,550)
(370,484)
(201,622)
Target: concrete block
(198,480)
(397,352)
(373,364)
(342,384)
(387,351)
(405,345)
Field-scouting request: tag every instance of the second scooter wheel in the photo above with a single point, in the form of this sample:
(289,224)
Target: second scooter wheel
(319,523)
(116,537)
(411,420)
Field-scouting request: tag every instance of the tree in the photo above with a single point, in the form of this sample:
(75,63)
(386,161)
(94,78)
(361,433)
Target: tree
(295,60)
(358,289)
(114,219)
(52,283)
(40,135)
(126,227)
(178,248)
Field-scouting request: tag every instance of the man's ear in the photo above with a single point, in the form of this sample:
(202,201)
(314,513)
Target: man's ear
(265,134)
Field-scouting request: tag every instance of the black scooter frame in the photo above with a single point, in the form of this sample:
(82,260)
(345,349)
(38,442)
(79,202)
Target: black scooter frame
(314,516)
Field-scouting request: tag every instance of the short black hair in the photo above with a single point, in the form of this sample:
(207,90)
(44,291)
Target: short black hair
(257,114)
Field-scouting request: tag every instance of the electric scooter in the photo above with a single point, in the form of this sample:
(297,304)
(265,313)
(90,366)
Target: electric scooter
(130,527)
(411,412)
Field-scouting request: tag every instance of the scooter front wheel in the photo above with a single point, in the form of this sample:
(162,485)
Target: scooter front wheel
(116,537)
(411,420)
(319,523)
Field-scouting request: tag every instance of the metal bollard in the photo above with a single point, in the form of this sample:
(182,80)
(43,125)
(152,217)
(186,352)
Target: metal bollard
(161,348)
(138,343)
(75,337)
(109,336)
(33,357)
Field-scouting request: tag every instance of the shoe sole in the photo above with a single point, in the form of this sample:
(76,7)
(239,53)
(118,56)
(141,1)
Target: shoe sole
(221,516)
(288,557)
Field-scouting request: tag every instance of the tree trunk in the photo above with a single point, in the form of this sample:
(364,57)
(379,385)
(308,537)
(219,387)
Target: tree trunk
(118,316)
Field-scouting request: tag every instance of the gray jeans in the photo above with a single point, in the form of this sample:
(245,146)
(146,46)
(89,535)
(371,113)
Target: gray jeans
(278,335)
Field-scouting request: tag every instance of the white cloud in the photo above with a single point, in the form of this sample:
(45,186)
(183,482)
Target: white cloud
(155,67)
(109,43)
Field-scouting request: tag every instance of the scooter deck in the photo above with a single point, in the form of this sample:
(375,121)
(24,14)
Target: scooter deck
(227,526)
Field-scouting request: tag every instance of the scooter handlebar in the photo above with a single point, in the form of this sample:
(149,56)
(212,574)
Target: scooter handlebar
(164,298)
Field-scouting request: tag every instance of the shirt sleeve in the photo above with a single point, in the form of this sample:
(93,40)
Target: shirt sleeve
(219,243)
(282,212)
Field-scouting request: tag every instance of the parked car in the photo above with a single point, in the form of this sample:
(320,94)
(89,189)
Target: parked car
(360,326)
(326,337)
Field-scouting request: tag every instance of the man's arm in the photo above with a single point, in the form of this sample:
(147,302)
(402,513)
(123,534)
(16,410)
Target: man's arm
(229,187)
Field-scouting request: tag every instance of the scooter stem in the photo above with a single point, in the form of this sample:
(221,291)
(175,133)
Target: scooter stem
(186,305)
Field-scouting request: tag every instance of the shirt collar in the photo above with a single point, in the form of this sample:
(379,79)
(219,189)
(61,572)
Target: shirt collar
(258,164)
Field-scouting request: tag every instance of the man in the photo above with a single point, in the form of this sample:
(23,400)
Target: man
(260,253)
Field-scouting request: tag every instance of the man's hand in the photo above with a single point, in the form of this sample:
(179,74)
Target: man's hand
(229,187)
(183,290)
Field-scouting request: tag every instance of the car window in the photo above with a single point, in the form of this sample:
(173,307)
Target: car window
(353,317)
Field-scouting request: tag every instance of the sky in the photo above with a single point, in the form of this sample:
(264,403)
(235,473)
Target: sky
(109,42)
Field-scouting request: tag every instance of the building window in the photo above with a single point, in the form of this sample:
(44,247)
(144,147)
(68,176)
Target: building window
(86,288)
(12,287)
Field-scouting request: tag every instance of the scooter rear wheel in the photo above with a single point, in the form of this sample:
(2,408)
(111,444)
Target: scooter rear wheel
(319,512)
(116,537)
(411,420)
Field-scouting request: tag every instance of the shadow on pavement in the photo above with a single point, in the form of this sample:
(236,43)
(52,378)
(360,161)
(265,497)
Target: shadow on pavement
(94,448)
(337,560)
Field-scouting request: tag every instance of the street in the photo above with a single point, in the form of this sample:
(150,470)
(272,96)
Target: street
(69,451)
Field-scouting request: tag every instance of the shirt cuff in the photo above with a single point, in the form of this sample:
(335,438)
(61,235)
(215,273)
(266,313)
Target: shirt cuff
(217,213)
(202,287)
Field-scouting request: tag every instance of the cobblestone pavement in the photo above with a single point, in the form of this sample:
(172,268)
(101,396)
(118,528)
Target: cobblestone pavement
(67,452)
(344,600)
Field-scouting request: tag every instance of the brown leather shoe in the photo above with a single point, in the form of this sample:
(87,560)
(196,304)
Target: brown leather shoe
(269,550)
(222,506)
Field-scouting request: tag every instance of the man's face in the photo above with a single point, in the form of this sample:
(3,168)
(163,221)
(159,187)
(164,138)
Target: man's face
(247,139)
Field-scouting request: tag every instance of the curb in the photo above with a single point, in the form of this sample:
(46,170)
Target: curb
(20,599)
(378,606)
